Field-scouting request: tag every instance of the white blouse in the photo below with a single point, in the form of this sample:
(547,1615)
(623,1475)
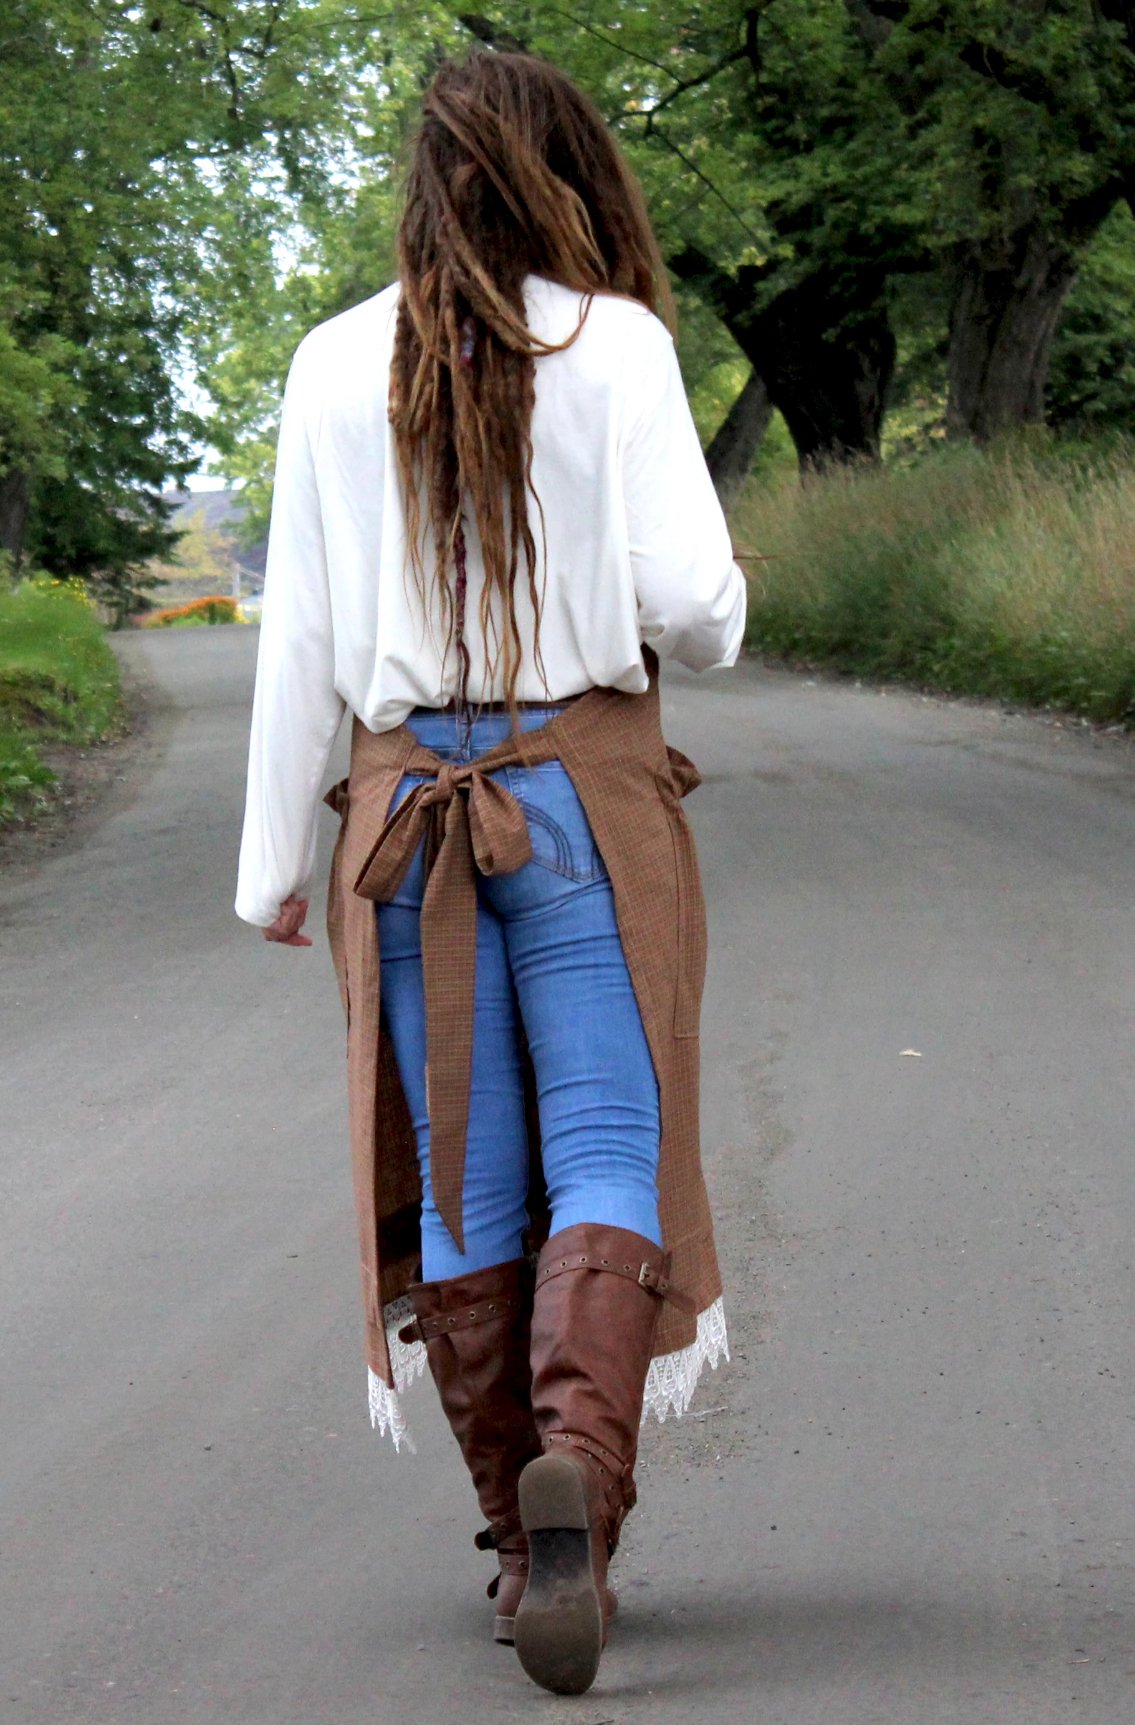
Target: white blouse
(637,550)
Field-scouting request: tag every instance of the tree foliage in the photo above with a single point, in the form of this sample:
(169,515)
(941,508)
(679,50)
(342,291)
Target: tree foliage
(158,167)
(817,151)
(862,202)
(1092,382)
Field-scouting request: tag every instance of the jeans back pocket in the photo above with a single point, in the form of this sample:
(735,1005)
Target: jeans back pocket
(558,828)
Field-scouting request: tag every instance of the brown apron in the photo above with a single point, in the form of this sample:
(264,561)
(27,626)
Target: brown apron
(630,783)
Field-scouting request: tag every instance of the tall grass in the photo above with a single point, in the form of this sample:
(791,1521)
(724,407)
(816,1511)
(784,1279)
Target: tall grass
(59,681)
(1009,573)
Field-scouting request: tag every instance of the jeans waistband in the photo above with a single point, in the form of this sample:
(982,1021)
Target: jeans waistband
(441,730)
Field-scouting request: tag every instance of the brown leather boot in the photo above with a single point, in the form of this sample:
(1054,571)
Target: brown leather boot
(476,1331)
(596,1304)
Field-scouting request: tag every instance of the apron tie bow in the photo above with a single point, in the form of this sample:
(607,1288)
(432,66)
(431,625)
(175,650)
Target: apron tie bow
(469,822)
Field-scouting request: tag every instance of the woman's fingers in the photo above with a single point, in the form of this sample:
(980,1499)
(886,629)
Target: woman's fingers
(285,931)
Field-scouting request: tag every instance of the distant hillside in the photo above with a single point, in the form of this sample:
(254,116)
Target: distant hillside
(209,557)
(223,510)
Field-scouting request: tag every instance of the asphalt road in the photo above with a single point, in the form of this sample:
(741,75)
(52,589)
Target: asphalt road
(908,1500)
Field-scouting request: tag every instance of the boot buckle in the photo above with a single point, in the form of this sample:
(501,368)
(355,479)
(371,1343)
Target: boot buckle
(658,1282)
(649,1277)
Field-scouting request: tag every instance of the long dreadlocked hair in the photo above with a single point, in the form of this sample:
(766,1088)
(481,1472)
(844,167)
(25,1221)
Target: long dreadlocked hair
(513,172)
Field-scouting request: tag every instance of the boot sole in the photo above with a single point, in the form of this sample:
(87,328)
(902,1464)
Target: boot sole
(559,1623)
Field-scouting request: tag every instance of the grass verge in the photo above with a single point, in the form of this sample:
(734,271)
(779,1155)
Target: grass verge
(59,682)
(1008,573)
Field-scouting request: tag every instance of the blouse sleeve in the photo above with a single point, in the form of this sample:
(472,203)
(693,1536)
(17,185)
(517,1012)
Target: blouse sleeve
(691,593)
(296,710)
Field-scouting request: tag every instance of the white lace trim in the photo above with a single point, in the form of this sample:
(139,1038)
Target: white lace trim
(670,1382)
(407,1362)
(673,1378)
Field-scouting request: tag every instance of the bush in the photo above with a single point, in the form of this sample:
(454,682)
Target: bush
(59,681)
(214,608)
(1008,573)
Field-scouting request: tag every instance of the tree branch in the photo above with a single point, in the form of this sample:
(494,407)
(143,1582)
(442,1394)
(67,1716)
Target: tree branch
(1034,87)
(220,19)
(756,238)
(874,23)
(611,41)
(679,89)
(696,267)
(702,78)
(492,35)
(1120,12)
(989,62)
(752,48)
(1082,217)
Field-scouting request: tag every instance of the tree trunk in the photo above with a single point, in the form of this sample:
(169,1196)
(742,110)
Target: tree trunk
(738,438)
(1006,307)
(13,514)
(823,348)
(827,355)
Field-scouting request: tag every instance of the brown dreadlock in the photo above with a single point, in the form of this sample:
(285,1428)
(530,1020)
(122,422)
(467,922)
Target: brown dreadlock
(513,172)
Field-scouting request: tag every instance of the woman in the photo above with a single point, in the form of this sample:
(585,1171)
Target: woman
(491,516)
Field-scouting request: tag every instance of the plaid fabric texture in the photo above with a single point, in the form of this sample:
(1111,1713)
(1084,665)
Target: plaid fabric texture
(631,784)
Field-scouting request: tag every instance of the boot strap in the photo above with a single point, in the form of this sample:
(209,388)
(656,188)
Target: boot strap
(511,1563)
(492,1537)
(462,1318)
(615,1476)
(655,1278)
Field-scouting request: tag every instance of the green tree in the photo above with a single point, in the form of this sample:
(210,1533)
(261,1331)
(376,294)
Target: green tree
(1018,118)
(84,202)
(149,162)
(329,248)
(846,190)
(814,152)
(1091,385)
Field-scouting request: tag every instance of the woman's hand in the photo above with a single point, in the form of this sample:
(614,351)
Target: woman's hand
(286,928)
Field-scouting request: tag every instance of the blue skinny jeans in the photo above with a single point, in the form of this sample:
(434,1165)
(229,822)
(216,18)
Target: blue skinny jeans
(549,958)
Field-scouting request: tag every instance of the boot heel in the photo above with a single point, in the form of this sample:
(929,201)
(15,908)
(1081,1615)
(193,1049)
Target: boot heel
(559,1623)
(552,1494)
